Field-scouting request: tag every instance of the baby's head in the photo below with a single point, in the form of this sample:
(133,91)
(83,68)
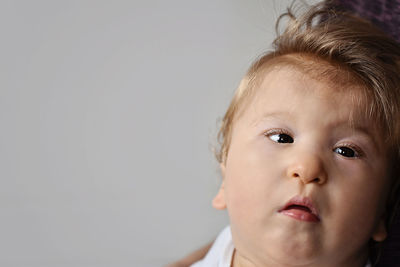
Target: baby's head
(310,145)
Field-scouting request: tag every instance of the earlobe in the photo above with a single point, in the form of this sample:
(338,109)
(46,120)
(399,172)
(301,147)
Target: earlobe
(219,200)
(380,232)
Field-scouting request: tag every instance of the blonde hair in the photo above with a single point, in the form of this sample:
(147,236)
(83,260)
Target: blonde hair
(344,44)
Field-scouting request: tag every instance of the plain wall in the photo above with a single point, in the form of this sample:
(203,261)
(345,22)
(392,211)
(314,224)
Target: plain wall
(109,111)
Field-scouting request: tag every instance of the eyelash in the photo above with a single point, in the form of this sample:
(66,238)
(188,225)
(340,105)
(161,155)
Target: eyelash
(357,151)
(276,131)
(272,132)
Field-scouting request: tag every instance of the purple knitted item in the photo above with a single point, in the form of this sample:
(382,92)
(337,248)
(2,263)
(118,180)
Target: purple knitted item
(383,13)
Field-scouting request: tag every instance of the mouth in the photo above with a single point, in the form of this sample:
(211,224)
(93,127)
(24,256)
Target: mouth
(300,208)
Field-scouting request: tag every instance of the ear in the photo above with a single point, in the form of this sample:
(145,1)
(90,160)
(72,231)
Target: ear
(380,232)
(219,200)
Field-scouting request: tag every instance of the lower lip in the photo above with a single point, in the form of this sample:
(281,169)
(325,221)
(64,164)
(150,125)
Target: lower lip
(300,215)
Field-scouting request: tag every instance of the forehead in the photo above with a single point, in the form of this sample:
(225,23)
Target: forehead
(296,81)
(288,89)
(334,77)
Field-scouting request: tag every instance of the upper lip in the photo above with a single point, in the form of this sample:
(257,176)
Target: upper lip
(301,201)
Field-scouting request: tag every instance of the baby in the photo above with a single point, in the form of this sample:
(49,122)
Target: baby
(310,148)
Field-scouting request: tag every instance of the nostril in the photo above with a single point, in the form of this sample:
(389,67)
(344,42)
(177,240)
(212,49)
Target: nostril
(296,175)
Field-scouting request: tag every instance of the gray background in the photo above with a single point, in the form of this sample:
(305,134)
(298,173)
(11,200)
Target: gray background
(108,113)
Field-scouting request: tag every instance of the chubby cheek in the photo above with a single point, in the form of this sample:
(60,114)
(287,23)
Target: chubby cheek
(356,206)
(250,185)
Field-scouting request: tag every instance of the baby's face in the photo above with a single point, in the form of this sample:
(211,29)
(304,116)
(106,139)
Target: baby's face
(301,184)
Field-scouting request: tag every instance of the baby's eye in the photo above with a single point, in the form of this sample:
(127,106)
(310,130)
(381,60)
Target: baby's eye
(280,138)
(347,152)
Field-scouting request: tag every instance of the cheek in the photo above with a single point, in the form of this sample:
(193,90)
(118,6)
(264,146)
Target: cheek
(365,187)
(250,183)
(362,185)
(355,205)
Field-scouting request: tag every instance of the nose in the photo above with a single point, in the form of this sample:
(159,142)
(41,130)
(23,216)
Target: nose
(308,168)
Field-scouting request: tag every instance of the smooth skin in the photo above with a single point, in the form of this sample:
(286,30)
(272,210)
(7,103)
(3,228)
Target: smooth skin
(296,138)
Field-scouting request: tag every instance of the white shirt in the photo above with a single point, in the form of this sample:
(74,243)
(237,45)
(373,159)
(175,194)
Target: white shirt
(221,252)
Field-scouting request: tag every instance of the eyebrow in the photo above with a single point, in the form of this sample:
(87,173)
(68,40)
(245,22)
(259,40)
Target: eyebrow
(365,131)
(276,115)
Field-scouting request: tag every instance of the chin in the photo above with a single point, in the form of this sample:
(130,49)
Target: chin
(293,252)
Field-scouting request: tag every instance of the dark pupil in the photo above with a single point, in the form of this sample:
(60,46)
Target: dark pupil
(284,138)
(345,151)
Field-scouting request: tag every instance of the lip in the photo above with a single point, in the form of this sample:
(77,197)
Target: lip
(305,210)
